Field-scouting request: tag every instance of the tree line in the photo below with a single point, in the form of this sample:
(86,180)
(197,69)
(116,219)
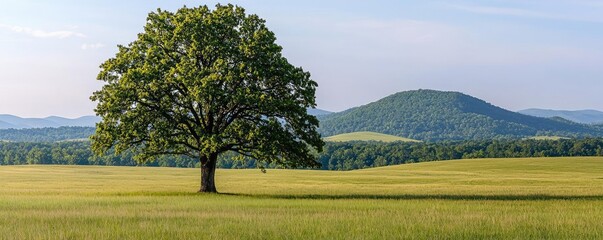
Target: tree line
(335,156)
(356,155)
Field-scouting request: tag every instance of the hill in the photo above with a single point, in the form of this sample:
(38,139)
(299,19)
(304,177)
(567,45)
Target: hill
(367,136)
(431,115)
(47,134)
(579,116)
(5,125)
(15,122)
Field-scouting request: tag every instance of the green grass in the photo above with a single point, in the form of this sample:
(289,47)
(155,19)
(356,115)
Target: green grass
(540,198)
(552,138)
(76,140)
(367,136)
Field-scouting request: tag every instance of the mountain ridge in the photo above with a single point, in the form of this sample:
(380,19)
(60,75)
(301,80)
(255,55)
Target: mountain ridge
(318,112)
(586,116)
(8,121)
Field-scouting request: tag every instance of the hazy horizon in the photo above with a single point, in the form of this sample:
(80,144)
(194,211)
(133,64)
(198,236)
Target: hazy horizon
(513,54)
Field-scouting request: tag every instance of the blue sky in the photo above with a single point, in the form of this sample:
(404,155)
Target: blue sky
(514,53)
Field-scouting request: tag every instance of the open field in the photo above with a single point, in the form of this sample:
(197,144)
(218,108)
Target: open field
(544,198)
(552,138)
(367,136)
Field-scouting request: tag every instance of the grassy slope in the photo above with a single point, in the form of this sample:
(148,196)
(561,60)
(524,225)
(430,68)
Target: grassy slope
(554,138)
(367,136)
(556,198)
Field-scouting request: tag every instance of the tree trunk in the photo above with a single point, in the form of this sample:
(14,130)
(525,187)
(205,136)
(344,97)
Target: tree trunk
(208,173)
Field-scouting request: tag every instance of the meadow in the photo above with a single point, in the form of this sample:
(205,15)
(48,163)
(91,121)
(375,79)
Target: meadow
(367,136)
(536,198)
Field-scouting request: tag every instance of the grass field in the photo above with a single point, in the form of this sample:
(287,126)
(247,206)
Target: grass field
(551,138)
(541,198)
(367,136)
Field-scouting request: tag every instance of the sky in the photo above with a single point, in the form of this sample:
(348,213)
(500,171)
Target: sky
(515,54)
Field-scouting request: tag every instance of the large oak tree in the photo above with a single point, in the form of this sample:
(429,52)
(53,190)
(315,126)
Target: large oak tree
(201,82)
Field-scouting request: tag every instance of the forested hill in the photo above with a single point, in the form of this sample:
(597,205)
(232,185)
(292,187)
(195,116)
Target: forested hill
(46,134)
(431,115)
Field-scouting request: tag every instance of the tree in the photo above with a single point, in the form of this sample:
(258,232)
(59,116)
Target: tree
(201,82)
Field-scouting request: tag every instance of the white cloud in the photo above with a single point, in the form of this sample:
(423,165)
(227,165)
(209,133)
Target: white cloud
(504,11)
(92,46)
(41,33)
(397,31)
(518,12)
(377,40)
(590,3)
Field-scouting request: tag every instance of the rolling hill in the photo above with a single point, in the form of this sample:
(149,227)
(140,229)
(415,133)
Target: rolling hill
(431,115)
(367,136)
(579,116)
(15,122)
(5,125)
(48,134)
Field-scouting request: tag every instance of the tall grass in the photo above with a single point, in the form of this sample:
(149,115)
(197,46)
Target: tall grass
(540,198)
(367,136)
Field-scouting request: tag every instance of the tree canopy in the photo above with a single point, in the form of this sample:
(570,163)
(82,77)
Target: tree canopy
(201,82)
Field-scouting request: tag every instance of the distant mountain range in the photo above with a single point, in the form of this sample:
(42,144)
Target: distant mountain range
(14,122)
(425,115)
(431,115)
(580,116)
(318,112)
